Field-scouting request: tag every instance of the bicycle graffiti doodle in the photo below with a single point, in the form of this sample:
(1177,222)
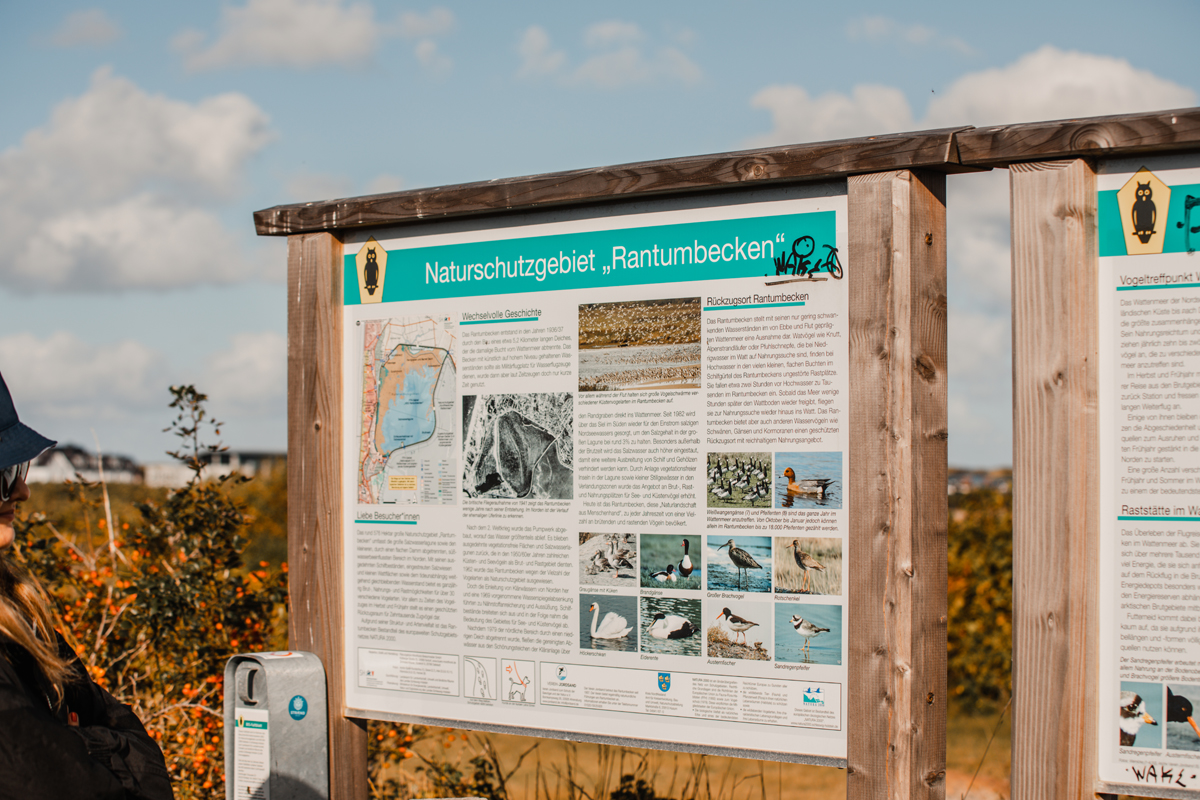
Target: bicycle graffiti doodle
(797,262)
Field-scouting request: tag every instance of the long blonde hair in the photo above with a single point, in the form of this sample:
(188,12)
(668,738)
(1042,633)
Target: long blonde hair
(26,620)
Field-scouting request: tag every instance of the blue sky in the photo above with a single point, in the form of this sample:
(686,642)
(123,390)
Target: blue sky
(137,139)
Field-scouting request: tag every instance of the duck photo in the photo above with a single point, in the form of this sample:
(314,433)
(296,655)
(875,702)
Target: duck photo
(670,561)
(1140,709)
(608,622)
(808,565)
(808,480)
(670,626)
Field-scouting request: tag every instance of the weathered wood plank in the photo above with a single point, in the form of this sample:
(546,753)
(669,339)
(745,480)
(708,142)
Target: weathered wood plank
(1055,480)
(315,487)
(929,149)
(897,658)
(1127,134)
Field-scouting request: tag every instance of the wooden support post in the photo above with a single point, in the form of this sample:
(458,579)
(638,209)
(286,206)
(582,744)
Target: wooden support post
(315,489)
(1056,481)
(896,728)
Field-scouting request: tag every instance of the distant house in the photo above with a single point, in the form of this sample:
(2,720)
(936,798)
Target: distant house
(64,462)
(962,481)
(247,462)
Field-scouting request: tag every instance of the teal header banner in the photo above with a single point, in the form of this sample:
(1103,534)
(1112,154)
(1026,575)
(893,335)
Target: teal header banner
(690,251)
(1177,227)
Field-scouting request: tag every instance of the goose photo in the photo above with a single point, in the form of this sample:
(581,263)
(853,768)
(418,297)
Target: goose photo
(608,559)
(671,561)
(739,480)
(639,345)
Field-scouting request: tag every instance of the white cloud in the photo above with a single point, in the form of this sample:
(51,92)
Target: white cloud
(879,29)
(119,390)
(432,59)
(798,117)
(250,376)
(620,57)
(1054,84)
(117,191)
(285,33)
(538,58)
(612,33)
(1046,84)
(91,27)
(435,22)
(310,33)
(88,381)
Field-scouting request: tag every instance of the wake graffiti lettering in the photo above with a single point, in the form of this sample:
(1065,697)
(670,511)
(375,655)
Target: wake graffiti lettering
(1162,774)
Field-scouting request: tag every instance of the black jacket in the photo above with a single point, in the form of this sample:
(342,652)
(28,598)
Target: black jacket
(109,756)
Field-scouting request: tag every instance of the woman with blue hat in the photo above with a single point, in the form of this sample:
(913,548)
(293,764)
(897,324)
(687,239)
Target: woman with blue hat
(61,735)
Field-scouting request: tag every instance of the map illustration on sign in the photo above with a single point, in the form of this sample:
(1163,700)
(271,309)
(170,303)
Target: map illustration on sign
(406,452)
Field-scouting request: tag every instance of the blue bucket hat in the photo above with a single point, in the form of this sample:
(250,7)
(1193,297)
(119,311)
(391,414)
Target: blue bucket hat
(18,441)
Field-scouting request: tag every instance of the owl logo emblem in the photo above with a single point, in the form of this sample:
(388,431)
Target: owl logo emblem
(1138,202)
(371,271)
(1144,213)
(371,262)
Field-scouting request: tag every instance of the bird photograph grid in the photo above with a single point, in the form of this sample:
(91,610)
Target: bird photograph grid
(740,630)
(519,446)
(639,344)
(808,566)
(608,622)
(739,480)
(669,562)
(608,559)
(807,633)
(808,480)
(740,566)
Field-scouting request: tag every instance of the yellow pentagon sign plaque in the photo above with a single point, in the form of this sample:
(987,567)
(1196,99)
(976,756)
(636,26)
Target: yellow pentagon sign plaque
(1144,201)
(372,266)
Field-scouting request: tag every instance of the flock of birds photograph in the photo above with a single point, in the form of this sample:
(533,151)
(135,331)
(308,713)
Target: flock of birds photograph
(739,480)
(648,344)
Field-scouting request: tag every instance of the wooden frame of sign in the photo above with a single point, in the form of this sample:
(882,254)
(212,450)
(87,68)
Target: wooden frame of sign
(898,422)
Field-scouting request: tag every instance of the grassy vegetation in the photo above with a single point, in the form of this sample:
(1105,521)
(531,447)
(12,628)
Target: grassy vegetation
(407,761)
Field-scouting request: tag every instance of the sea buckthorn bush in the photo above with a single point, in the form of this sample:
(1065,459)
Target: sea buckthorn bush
(155,605)
(980,599)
